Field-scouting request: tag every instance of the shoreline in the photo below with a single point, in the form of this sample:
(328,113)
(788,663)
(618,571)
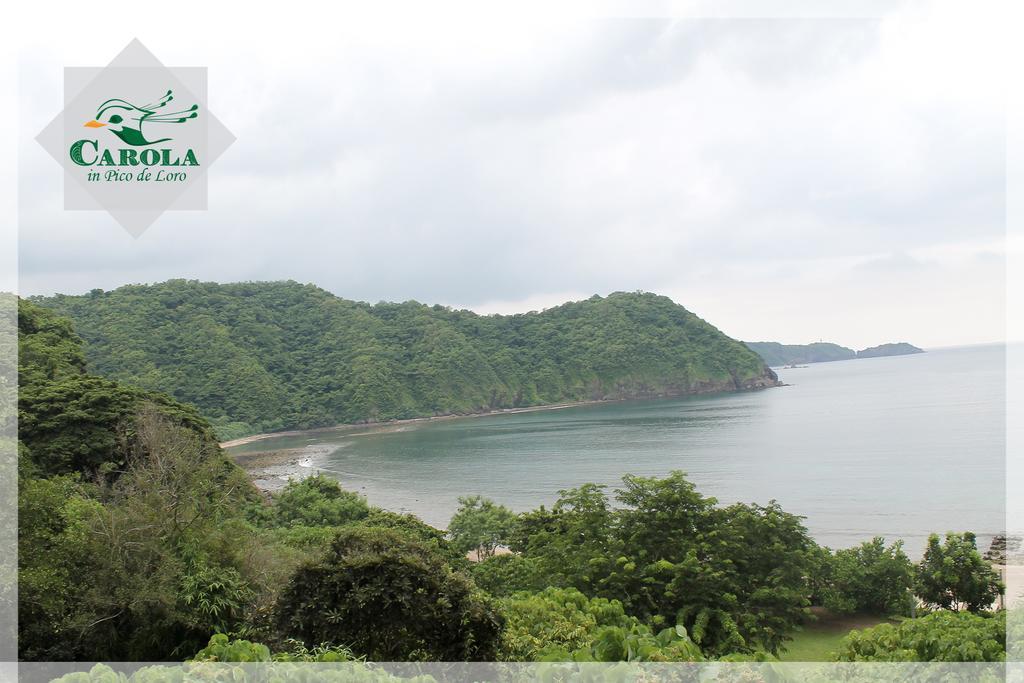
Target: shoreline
(378,427)
(270,469)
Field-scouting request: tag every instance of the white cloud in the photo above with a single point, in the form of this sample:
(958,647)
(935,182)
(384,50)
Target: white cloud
(752,169)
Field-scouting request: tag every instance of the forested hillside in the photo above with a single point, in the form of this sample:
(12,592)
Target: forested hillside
(138,540)
(268,356)
(122,497)
(72,421)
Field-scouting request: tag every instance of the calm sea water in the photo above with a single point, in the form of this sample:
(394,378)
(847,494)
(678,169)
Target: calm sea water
(899,447)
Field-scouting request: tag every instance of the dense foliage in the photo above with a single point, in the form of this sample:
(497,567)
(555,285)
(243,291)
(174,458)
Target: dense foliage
(317,502)
(636,643)
(70,421)
(126,547)
(943,636)
(555,620)
(391,598)
(223,649)
(267,356)
(734,577)
(140,540)
(144,567)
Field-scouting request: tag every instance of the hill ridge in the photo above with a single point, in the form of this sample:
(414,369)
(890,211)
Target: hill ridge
(267,356)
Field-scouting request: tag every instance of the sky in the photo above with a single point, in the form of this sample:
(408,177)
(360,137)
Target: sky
(792,178)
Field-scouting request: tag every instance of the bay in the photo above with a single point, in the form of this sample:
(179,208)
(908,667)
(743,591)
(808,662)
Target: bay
(899,446)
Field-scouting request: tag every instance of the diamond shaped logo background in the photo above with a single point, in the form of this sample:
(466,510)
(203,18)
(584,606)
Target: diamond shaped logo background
(136,76)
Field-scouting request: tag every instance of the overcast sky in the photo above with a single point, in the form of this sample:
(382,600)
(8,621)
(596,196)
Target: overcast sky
(785,179)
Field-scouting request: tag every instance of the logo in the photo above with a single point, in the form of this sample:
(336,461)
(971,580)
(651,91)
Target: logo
(125,120)
(130,154)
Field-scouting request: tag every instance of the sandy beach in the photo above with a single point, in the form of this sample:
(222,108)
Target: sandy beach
(379,427)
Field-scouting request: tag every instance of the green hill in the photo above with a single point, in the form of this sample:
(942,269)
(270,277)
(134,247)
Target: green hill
(266,356)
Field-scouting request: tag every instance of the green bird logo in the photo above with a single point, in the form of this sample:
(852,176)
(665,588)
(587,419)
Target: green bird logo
(125,120)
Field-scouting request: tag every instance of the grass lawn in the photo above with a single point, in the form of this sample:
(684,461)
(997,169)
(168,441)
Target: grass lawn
(821,637)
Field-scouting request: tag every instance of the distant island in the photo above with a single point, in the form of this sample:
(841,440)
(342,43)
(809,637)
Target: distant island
(776,354)
(897,349)
(270,356)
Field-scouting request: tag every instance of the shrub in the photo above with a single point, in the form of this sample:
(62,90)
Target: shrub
(938,637)
(556,618)
(637,643)
(223,649)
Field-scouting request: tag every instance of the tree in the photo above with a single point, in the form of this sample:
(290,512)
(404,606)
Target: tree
(938,637)
(48,348)
(415,528)
(480,525)
(317,501)
(573,545)
(870,578)
(53,559)
(661,509)
(953,575)
(389,598)
(736,578)
(531,523)
(143,567)
(767,554)
(166,543)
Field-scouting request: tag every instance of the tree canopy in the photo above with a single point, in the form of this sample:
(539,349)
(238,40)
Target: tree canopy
(390,598)
(735,577)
